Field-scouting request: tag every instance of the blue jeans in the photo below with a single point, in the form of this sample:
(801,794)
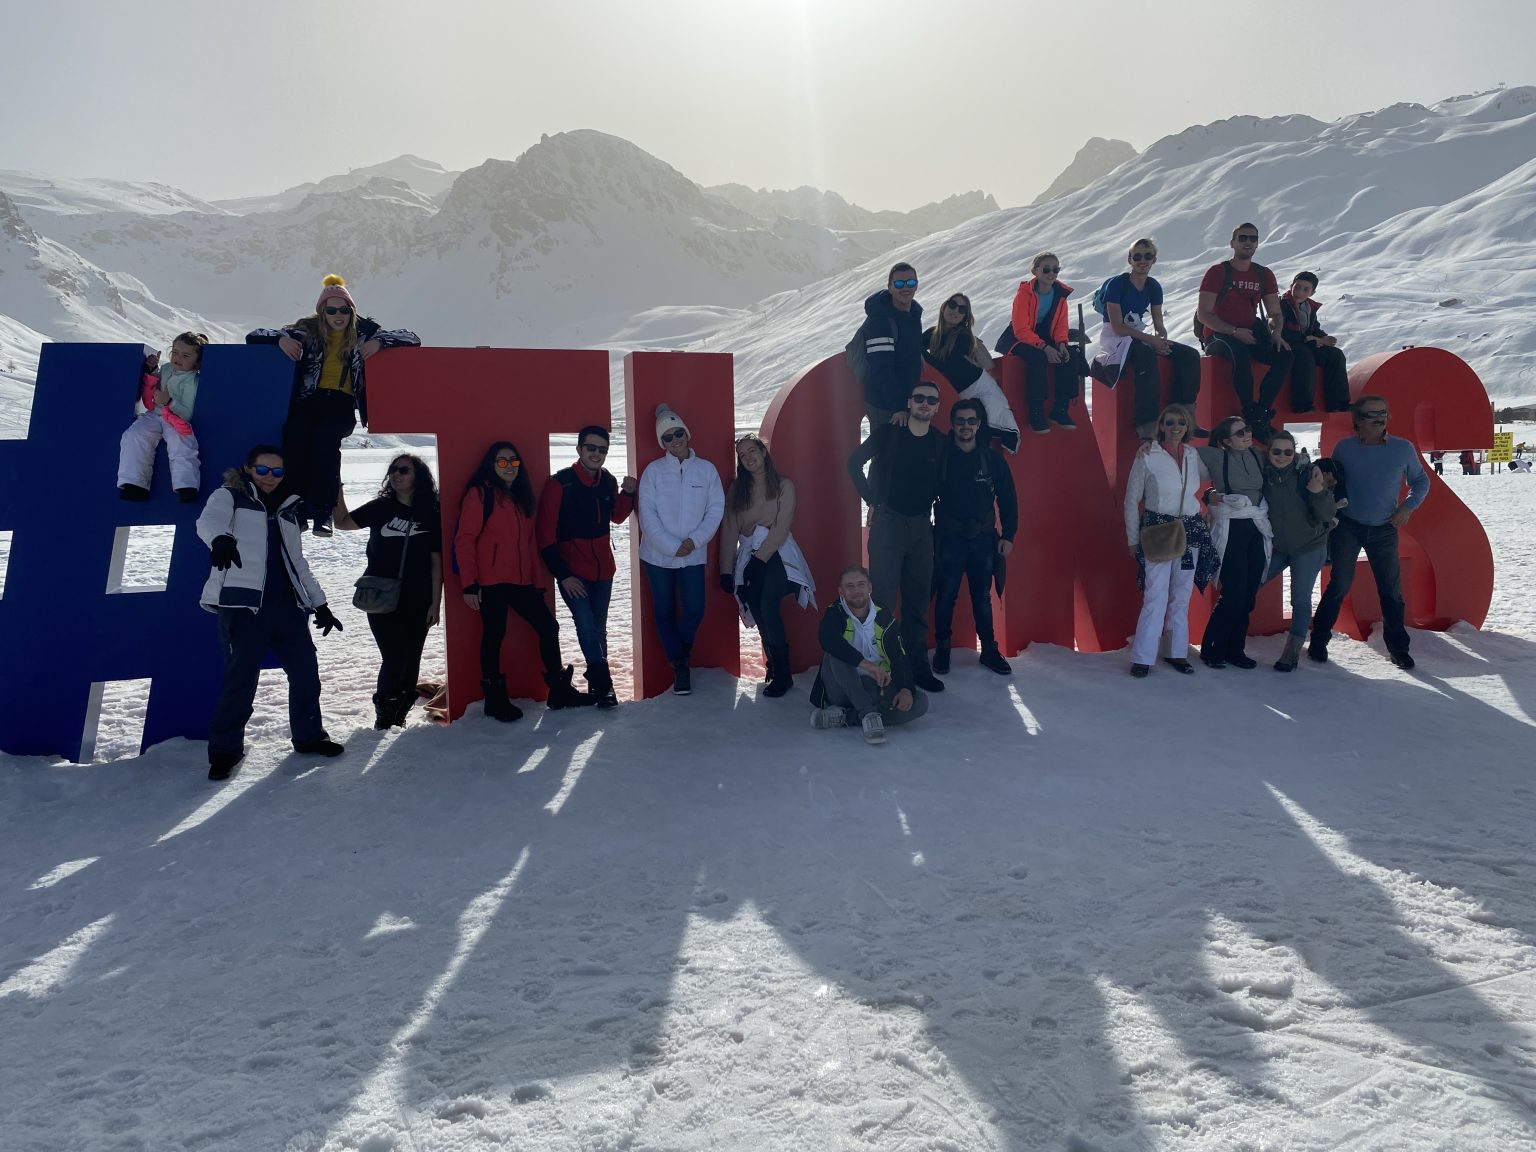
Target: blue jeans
(1380,544)
(590,616)
(1305,567)
(677,596)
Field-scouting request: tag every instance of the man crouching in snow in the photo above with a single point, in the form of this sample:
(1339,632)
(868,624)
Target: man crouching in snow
(864,671)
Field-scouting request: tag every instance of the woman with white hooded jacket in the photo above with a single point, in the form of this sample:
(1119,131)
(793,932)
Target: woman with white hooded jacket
(680,505)
(263,592)
(1164,480)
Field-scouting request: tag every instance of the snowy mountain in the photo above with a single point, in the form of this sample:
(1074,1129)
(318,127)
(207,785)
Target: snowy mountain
(1098,157)
(425,176)
(831,211)
(1418,221)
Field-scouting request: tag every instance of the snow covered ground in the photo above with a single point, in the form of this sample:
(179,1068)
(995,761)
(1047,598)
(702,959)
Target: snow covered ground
(1066,911)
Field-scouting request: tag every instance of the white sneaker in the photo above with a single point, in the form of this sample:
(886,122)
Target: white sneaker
(829,718)
(874,729)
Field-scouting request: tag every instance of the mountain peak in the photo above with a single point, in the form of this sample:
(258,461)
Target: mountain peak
(1098,157)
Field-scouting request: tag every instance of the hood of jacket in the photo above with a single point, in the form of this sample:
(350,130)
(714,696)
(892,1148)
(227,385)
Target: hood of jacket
(881,304)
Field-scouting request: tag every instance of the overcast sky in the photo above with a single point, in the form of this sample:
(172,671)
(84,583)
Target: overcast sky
(890,104)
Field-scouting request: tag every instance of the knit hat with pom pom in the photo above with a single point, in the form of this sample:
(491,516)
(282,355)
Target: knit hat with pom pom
(666,420)
(334,286)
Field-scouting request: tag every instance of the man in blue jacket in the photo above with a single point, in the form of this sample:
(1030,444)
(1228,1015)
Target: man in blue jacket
(892,336)
(1375,465)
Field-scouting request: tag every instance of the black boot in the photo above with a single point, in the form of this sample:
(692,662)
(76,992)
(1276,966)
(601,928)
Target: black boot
(221,762)
(779,679)
(132,492)
(941,659)
(922,674)
(383,710)
(682,676)
(324,746)
(497,706)
(564,694)
(600,685)
(1061,417)
(1036,419)
(187,495)
(400,708)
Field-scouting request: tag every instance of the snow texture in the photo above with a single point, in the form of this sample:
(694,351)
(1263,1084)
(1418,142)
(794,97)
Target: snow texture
(1066,911)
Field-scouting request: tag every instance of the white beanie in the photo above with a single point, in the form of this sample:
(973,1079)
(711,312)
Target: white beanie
(666,420)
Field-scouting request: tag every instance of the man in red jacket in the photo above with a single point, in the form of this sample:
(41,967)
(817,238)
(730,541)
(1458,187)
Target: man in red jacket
(576,509)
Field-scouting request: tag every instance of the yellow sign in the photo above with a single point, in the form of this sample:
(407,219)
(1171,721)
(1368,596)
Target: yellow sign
(1503,448)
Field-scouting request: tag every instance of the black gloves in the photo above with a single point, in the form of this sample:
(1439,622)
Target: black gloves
(325,620)
(225,552)
(471,589)
(727,583)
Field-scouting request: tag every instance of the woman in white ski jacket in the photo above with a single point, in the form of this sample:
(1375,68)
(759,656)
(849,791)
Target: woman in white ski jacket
(263,592)
(680,506)
(1164,481)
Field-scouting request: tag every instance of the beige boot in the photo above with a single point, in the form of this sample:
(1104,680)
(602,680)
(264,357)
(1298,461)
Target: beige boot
(1292,654)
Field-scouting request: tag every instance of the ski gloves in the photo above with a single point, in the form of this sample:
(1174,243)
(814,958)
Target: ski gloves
(225,552)
(325,620)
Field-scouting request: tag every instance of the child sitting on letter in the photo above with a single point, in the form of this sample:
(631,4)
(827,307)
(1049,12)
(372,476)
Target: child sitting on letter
(167,392)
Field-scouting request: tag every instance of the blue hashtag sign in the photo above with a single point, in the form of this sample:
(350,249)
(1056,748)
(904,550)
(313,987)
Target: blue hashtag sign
(61,630)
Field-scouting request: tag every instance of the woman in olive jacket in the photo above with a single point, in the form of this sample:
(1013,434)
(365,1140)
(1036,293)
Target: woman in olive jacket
(1302,512)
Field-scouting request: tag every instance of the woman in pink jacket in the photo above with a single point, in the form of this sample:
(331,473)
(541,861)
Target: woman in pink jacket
(499,563)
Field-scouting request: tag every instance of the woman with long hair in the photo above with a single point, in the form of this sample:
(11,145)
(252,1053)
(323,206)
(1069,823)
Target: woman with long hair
(405,544)
(951,347)
(1302,508)
(328,349)
(759,559)
(1161,492)
(1243,538)
(499,564)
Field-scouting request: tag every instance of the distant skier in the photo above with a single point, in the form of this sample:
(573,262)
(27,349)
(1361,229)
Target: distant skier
(329,349)
(167,393)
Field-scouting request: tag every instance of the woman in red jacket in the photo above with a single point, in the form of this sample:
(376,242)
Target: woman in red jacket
(499,564)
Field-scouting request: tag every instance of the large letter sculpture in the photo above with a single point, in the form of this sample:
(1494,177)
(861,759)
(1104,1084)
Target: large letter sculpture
(469,398)
(65,629)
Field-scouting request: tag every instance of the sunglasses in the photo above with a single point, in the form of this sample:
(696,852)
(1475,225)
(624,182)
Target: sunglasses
(600,449)
(965,421)
(401,470)
(1243,431)
(1047,269)
(509,461)
(263,470)
(1282,451)
(957,306)
(1247,238)
(1143,258)
(342,311)
(675,434)
(1375,414)
(903,283)
(925,398)
(1175,422)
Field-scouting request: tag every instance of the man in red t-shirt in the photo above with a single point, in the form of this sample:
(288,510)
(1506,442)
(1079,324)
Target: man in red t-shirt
(1230,295)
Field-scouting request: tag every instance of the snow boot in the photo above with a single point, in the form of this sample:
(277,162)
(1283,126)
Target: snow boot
(497,706)
(993,659)
(1061,417)
(324,746)
(187,495)
(600,686)
(1291,655)
(779,679)
(383,711)
(132,492)
(562,693)
(221,762)
(322,526)
(1036,419)
(941,660)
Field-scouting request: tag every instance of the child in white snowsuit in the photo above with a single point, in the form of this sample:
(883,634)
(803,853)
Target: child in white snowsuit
(167,393)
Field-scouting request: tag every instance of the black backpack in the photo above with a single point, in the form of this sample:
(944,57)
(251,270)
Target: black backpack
(858,355)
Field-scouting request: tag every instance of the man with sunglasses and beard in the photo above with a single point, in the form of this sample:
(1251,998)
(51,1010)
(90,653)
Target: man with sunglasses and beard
(576,509)
(1376,465)
(1230,296)
(905,471)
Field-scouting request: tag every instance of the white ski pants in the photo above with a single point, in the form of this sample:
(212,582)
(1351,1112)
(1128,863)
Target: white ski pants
(1164,608)
(136,457)
(999,415)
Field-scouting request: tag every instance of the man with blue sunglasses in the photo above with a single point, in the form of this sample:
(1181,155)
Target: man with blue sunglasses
(886,353)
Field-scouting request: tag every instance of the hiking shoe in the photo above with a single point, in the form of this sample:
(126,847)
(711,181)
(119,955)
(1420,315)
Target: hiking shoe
(187,495)
(1242,660)
(324,746)
(874,729)
(829,718)
(1140,670)
(993,659)
(1317,651)
(1179,664)
(1402,660)
(132,492)
(322,527)
(1037,419)
(1062,418)
(941,660)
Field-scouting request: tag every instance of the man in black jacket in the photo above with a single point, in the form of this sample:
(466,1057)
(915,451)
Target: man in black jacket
(905,464)
(892,335)
(864,669)
(976,494)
